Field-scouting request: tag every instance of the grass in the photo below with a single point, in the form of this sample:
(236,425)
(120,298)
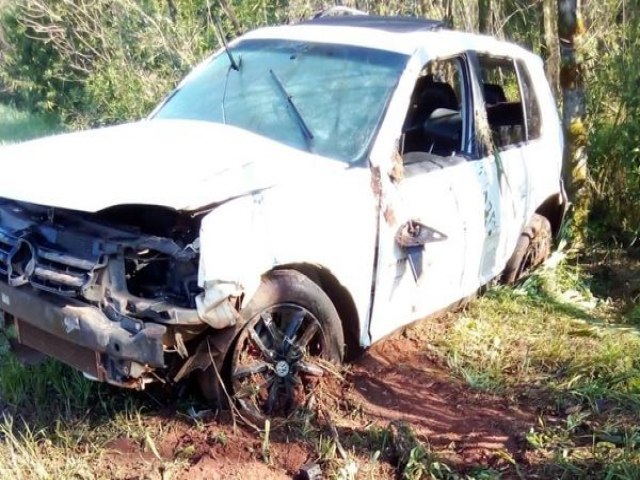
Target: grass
(550,342)
(550,334)
(16,125)
(56,424)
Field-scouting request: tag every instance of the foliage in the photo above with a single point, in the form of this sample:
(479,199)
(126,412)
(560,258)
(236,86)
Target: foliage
(16,125)
(615,134)
(97,62)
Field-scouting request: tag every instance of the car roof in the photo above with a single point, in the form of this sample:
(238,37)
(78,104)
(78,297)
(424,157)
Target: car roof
(387,23)
(396,34)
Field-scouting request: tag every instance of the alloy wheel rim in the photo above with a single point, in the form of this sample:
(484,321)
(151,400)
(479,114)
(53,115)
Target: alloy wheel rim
(276,360)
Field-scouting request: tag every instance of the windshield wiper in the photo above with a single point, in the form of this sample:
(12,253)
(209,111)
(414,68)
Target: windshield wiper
(304,128)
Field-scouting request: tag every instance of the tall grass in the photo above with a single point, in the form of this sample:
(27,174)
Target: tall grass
(549,334)
(55,424)
(17,125)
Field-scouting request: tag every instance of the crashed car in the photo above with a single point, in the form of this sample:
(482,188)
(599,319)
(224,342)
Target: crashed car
(303,193)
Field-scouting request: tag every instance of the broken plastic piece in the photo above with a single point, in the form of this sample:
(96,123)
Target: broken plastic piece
(214,305)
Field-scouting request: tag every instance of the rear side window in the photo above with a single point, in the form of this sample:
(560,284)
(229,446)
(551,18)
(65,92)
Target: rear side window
(512,109)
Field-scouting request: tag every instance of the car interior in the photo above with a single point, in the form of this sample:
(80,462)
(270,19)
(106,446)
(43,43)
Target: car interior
(434,123)
(506,119)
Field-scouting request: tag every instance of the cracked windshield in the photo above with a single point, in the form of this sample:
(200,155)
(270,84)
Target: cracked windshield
(327,99)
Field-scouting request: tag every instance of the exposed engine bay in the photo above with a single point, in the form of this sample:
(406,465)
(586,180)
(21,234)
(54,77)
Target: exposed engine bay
(148,271)
(127,272)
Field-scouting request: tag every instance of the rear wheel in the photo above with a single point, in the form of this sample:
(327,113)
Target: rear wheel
(533,248)
(292,331)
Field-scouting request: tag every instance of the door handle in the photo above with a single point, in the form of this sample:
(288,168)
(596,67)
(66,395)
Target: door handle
(412,236)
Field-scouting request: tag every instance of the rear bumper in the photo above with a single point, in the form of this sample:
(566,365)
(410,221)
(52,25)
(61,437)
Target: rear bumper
(76,333)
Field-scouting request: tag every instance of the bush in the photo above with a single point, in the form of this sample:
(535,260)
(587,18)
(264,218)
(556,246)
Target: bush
(100,61)
(614,142)
(32,70)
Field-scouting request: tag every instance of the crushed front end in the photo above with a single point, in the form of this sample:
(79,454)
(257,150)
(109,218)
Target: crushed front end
(112,293)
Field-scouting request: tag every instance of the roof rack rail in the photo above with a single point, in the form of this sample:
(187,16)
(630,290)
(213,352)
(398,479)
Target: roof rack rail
(338,10)
(364,20)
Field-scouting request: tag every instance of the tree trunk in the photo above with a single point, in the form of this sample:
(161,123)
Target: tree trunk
(485,23)
(448,16)
(549,14)
(571,30)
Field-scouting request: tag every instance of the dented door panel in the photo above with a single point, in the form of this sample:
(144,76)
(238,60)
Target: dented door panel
(430,197)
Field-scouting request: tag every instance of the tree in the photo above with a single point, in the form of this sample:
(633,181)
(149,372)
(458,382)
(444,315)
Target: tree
(575,172)
(485,16)
(550,30)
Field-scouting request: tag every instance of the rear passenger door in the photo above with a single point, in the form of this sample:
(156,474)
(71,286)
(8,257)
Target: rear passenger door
(503,144)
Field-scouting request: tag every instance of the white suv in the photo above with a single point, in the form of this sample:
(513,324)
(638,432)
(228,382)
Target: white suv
(302,194)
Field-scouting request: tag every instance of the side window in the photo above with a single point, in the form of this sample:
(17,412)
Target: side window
(434,122)
(503,100)
(531,107)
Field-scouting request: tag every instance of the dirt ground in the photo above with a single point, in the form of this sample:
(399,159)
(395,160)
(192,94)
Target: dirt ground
(397,380)
(394,381)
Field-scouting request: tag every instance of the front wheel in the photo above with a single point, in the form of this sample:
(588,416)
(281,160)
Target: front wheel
(292,331)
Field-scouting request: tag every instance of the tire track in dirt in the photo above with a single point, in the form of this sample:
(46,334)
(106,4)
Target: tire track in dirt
(398,380)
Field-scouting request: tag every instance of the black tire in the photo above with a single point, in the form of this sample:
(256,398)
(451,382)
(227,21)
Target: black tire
(533,248)
(290,325)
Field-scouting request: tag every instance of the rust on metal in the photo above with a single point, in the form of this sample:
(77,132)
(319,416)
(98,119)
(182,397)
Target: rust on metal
(81,358)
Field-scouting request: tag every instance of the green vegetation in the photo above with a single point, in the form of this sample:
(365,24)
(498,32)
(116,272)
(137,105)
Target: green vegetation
(614,141)
(552,343)
(55,424)
(16,125)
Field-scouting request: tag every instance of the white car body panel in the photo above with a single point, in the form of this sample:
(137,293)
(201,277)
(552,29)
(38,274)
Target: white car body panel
(288,206)
(398,295)
(330,223)
(179,164)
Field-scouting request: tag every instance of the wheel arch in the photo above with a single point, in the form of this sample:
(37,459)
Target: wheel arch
(553,208)
(341,299)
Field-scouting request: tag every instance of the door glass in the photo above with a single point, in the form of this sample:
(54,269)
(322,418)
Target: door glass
(503,100)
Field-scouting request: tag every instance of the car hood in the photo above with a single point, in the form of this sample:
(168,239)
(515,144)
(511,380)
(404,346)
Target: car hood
(174,163)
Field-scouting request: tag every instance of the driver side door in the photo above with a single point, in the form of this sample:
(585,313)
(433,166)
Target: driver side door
(443,195)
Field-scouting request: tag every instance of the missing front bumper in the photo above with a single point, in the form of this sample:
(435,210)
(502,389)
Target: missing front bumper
(83,337)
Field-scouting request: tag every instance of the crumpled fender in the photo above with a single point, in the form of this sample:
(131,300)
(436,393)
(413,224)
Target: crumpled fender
(231,259)
(327,219)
